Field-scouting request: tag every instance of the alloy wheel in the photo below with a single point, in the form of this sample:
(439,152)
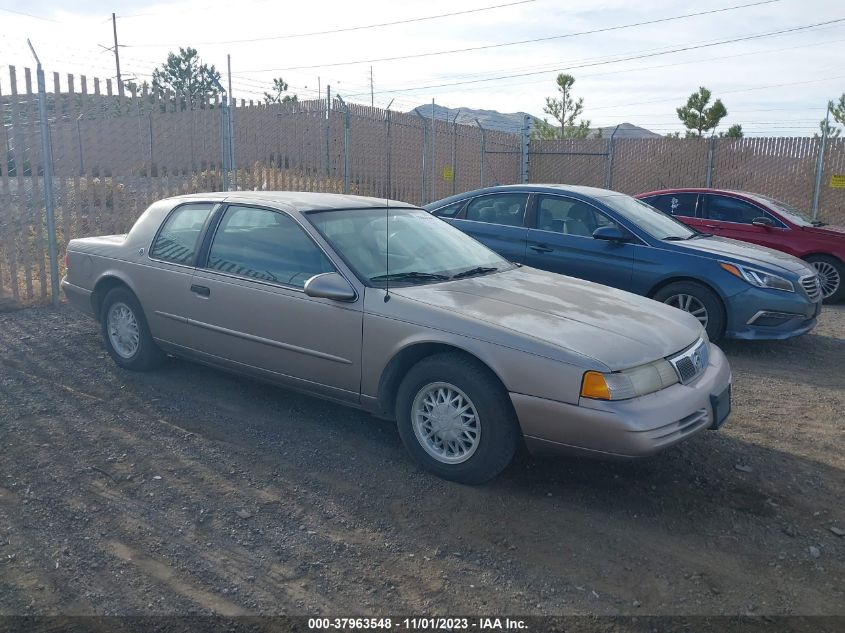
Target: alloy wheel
(124,332)
(445,423)
(691,304)
(829,278)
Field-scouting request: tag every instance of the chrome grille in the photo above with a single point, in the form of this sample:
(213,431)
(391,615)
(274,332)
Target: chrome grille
(812,287)
(691,364)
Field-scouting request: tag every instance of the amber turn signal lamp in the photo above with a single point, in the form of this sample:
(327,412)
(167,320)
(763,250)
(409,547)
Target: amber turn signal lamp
(595,386)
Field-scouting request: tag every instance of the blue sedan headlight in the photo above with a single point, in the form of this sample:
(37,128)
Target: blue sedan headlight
(758,278)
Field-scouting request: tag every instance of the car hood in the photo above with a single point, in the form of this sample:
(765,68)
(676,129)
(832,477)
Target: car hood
(745,252)
(615,328)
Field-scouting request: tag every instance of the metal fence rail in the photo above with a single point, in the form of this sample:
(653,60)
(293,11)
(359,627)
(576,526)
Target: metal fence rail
(113,155)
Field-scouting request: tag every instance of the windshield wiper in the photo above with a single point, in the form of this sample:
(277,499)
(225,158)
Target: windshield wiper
(479,270)
(413,275)
(674,238)
(818,223)
(695,235)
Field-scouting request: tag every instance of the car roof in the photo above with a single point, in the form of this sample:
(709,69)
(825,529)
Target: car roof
(736,192)
(578,190)
(299,200)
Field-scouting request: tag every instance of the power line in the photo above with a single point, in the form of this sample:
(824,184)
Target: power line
(623,59)
(791,83)
(549,68)
(356,28)
(29,15)
(520,42)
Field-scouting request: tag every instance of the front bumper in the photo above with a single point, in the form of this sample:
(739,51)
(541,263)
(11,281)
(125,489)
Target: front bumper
(626,428)
(761,314)
(79,298)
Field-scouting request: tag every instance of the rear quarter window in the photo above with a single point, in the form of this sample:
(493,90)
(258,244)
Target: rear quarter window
(679,204)
(178,238)
(449,211)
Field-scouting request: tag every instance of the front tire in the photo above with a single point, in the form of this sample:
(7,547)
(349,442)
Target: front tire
(455,419)
(831,273)
(125,332)
(699,301)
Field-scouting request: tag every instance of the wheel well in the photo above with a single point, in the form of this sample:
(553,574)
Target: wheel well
(817,254)
(402,362)
(101,289)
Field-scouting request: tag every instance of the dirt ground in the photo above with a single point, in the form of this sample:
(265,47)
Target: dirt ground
(188,490)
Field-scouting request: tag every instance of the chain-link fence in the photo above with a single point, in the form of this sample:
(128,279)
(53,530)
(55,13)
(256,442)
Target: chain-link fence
(113,155)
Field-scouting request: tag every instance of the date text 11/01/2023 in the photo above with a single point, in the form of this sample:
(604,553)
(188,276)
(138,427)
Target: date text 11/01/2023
(418,624)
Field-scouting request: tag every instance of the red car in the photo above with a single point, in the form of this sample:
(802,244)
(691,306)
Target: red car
(752,217)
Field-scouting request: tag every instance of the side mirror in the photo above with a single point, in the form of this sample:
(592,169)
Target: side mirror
(330,286)
(611,234)
(763,221)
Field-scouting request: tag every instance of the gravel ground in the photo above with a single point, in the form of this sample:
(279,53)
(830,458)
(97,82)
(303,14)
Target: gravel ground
(190,491)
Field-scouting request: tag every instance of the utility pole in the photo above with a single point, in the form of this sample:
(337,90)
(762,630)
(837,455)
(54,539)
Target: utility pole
(116,56)
(372,99)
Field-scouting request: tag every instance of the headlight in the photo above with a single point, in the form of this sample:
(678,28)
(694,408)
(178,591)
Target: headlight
(758,278)
(630,383)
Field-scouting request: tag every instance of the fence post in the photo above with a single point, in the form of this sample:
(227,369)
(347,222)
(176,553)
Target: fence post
(525,149)
(455,150)
(328,127)
(711,151)
(47,160)
(483,149)
(424,152)
(224,143)
(389,192)
(610,147)
(345,144)
(433,194)
(820,163)
(231,125)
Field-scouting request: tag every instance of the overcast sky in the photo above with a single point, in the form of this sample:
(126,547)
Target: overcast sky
(772,85)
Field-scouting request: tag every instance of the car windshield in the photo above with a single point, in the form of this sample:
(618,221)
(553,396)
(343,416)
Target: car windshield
(794,215)
(422,248)
(656,223)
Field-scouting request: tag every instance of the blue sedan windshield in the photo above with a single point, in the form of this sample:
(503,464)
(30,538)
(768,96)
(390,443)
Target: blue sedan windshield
(656,223)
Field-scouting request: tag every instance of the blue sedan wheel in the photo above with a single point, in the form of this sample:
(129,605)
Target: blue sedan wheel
(699,301)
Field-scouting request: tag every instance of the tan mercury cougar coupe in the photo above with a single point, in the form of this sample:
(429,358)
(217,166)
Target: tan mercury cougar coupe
(381,306)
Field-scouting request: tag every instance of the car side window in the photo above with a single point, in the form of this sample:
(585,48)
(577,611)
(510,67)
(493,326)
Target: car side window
(177,241)
(569,216)
(267,246)
(450,210)
(726,209)
(679,204)
(500,208)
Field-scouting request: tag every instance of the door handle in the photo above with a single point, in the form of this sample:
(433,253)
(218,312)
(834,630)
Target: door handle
(202,291)
(541,248)
(711,226)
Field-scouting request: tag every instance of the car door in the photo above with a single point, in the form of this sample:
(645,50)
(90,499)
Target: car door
(163,286)
(498,221)
(728,216)
(683,206)
(249,308)
(562,242)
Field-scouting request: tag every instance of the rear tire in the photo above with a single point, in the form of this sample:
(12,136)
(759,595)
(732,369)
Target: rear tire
(125,332)
(455,419)
(699,301)
(831,276)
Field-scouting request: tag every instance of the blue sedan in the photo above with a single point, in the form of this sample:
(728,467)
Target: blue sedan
(736,290)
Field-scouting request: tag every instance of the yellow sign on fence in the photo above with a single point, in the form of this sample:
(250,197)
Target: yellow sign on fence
(837,181)
(448,174)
